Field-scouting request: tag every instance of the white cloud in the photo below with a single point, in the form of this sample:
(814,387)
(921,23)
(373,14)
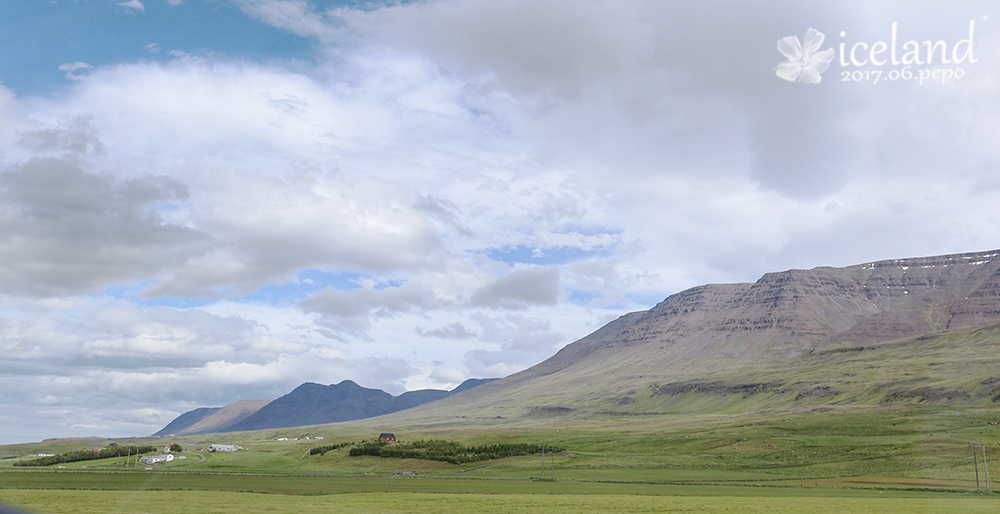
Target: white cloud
(73,67)
(296,16)
(451,331)
(448,376)
(133,5)
(520,289)
(69,231)
(351,312)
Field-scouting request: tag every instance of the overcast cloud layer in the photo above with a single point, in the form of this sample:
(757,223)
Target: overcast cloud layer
(452,189)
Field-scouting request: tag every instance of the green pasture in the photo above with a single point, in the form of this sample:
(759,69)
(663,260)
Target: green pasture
(905,441)
(623,498)
(893,458)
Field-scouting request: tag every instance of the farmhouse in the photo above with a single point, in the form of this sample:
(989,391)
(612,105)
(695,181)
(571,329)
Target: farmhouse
(387,437)
(223,447)
(155,459)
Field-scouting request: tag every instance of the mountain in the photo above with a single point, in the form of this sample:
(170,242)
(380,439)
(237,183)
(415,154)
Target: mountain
(797,337)
(313,404)
(308,404)
(215,419)
(179,425)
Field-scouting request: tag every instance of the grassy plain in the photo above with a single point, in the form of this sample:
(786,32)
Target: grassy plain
(733,501)
(896,458)
(904,441)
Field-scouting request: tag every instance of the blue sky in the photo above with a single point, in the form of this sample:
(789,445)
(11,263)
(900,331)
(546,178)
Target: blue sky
(51,34)
(213,200)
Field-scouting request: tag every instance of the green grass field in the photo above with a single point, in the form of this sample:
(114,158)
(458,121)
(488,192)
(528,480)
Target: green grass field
(195,502)
(845,459)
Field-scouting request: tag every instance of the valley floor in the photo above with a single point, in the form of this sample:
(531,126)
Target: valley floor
(893,458)
(157,494)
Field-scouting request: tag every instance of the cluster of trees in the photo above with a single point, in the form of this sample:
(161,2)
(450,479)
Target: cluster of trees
(320,450)
(447,451)
(79,455)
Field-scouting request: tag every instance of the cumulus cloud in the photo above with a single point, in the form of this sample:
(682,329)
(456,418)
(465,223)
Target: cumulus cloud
(73,138)
(622,80)
(69,231)
(448,376)
(451,331)
(520,289)
(351,311)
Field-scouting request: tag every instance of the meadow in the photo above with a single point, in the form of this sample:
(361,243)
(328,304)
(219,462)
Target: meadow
(733,501)
(901,458)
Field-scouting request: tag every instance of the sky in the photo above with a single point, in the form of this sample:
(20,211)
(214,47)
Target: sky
(203,201)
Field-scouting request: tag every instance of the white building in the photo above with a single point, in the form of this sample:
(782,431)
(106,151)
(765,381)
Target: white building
(223,447)
(154,459)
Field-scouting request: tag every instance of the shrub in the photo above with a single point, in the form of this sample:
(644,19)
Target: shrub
(320,450)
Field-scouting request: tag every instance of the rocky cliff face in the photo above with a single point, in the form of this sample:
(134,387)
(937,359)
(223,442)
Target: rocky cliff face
(733,329)
(787,313)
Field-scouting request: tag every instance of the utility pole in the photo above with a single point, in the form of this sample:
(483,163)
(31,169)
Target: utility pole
(986,470)
(308,460)
(975,460)
(976,463)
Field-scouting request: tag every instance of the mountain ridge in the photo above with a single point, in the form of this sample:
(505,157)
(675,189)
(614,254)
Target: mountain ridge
(308,404)
(723,331)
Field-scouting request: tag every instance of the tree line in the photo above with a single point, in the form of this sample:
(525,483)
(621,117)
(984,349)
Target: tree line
(447,451)
(80,455)
(320,450)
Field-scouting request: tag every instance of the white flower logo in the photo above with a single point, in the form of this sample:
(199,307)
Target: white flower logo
(804,63)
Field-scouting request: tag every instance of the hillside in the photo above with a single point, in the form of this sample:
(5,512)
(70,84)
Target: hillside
(180,424)
(904,330)
(212,419)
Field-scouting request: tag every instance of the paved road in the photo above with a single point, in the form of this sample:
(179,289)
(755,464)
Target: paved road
(203,459)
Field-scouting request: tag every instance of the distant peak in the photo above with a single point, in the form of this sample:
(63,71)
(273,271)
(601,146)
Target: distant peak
(308,385)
